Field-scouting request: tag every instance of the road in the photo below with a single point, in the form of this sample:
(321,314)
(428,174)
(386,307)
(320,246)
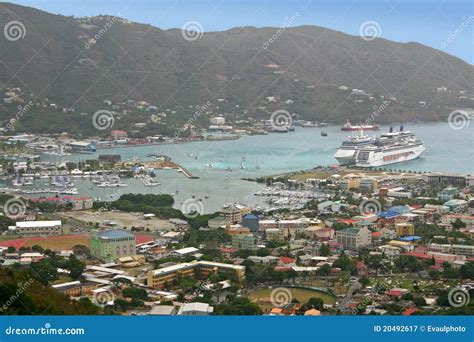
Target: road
(355,286)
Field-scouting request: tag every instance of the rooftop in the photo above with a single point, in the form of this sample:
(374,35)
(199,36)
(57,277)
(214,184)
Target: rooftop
(115,234)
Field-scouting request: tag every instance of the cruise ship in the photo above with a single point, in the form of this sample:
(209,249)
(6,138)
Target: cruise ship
(389,148)
(346,153)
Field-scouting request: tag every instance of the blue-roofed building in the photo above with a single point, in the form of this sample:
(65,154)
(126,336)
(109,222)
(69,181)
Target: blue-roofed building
(410,238)
(401,209)
(251,222)
(388,214)
(108,245)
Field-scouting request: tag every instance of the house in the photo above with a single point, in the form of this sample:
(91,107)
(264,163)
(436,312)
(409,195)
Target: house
(195,309)
(361,268)
(244,241)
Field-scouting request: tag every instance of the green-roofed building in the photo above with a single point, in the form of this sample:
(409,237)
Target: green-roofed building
(108,245)
(354,238)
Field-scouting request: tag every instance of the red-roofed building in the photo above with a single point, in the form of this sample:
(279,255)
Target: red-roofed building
(410,311)
(394,293)
(118,134)
(286,261)
(361,268)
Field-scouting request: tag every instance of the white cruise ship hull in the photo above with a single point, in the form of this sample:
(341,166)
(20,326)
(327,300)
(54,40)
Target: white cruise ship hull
(345,156)
(381,158)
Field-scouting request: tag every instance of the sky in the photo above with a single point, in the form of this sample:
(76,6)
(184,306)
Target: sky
(447,25)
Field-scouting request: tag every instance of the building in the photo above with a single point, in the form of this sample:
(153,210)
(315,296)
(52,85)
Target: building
(195,309)
(368,185)
(232,214)
(251,222)
(108,245)
(244,241)
(350,182)
(275,234)
(218,120)
(456,205)
(354,238)
(452,179)
(319,233)
(118,134)
(448,193)
(77,203)
(218,222)
(197,269)
(404,229)
(37,228)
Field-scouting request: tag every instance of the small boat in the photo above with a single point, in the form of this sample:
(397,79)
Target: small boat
(324,134)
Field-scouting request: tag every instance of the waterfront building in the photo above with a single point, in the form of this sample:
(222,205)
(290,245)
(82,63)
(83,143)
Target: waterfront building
(109,245)
(354,238)
(37,228)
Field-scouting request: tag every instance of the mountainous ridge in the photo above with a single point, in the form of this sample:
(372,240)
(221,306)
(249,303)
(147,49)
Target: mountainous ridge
(303,68)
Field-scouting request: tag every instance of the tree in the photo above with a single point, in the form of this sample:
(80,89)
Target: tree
(314,303)
(467,270)
(364,281)
(419,301)
(458,223)
(238,306)
(324,250)
(11,249)
(135,293)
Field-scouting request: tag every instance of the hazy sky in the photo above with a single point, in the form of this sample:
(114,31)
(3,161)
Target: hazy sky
(443,24)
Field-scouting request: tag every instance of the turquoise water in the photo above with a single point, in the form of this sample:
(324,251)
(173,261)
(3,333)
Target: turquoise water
(446,150)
